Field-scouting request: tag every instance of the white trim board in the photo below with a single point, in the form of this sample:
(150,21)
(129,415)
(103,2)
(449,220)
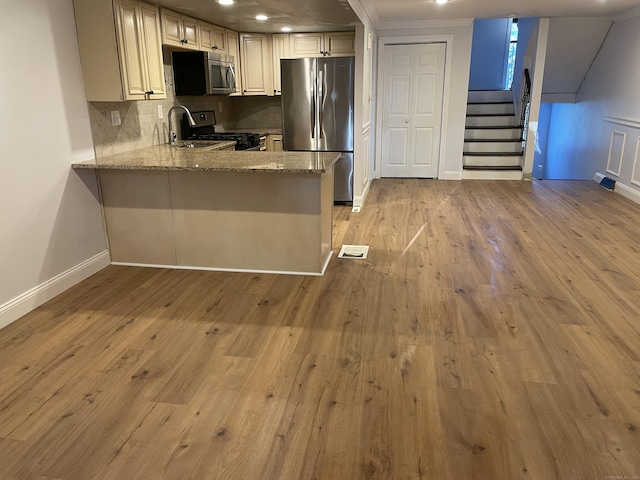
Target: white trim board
(32,299)
(624,190)
(628,122)
(358,200)
(231,270)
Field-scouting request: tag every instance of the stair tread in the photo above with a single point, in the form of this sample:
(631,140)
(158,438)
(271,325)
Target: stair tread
(491,167)
(497,140)
(490,115)
(489,103)
(492,127)
(494,154)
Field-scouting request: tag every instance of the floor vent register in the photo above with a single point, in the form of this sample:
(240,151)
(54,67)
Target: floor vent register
(354,252)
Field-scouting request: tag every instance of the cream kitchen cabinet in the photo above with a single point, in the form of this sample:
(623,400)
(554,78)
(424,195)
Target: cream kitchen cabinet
(280,49)
(255,60)
(233,49)
(120,50)
(211,37)
(333,44)
(178,30)
(274,143)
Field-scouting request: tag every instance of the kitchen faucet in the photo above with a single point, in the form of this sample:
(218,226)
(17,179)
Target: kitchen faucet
(172,134)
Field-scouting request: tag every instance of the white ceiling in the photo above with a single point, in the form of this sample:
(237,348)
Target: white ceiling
(391,11)
(323,15)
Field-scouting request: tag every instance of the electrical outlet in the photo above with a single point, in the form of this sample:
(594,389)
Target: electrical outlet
(160,114)
(115,118)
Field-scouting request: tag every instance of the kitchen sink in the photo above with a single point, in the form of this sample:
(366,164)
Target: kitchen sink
(197,144)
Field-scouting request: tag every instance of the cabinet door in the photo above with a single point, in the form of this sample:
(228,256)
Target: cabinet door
(254,53)
(151,43)
(233,49)
(171,28)
(306,44)
(220,39)
(280,46)
(340,44)
(190,32)
(131,51)
(205,32)
(274,143)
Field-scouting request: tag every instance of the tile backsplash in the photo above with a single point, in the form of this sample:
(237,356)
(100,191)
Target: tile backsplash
(140,126)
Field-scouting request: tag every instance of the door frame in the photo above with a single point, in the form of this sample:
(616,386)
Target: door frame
(448,57)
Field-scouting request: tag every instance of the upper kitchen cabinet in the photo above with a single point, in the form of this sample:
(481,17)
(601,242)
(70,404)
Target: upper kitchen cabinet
(333,44)
(280,49)
(212,37)
(255,59)
(120,50)
(178,30)
(233,49)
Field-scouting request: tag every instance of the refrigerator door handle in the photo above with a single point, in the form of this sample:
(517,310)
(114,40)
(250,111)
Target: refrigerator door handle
(313,104)
(321,98)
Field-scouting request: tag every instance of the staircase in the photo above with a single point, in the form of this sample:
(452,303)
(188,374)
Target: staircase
(493,137)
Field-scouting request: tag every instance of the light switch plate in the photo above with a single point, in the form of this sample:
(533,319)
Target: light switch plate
(115,117)
(160,114)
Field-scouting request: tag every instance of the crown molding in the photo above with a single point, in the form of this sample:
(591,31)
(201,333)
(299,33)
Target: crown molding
(634,12)
(367,8)
(426,24)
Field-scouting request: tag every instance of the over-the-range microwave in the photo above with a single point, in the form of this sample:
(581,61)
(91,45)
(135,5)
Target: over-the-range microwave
(203,73)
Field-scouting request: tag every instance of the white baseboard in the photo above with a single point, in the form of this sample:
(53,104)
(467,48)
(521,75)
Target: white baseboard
(452,175)
(627,192)
(32,299)
(624,190)
(231,270)
(358,200)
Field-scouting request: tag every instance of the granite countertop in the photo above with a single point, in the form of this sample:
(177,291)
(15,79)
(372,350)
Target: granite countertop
(166,157)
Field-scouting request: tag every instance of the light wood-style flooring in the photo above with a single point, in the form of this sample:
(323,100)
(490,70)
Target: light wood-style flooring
(493,333)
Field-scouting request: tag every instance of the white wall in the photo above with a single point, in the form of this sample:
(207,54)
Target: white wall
(364,102)
(489,53)
(458,37)
(608,102)
(52,233)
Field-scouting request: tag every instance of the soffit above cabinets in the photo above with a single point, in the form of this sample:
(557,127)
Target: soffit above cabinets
(300,15)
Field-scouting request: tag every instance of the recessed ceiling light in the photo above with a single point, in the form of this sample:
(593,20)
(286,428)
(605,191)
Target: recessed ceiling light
(225,2)
(262,18)
(285,29)
(441,1)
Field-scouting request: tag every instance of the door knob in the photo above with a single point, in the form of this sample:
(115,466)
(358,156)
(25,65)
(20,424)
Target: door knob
(406,121)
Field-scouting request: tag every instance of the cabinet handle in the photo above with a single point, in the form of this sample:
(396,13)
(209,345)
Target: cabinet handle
(150,92)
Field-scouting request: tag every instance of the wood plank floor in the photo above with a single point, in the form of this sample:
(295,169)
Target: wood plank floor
(493,333)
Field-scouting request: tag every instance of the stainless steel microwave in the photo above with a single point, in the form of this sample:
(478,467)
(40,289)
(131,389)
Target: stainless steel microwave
(203,73)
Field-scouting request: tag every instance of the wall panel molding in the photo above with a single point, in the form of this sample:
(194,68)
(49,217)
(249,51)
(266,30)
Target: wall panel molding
(616,152)
(628,122)
(635,175)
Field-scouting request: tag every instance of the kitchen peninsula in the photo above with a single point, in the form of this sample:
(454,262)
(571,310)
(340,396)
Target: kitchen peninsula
(206,208)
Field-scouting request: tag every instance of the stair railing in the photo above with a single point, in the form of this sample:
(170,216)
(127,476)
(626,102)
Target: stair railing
(526,104)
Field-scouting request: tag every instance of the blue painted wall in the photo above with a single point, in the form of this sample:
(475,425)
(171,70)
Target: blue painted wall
(489,53)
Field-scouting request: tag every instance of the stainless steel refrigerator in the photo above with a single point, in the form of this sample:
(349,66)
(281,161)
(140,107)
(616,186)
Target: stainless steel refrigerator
(317,112)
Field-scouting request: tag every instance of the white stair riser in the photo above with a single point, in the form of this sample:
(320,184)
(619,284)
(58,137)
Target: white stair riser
(490,96)
(498,121)
(498,161)
(490,108)
(493,147)
(492,134)
(491,175)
